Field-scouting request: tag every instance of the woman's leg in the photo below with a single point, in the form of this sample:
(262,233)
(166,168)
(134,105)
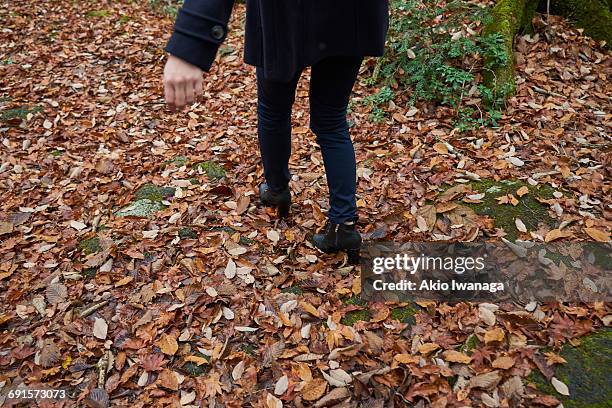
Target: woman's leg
(274,103)
(331,84)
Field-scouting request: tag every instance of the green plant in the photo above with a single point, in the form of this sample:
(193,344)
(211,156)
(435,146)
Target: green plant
(434,54)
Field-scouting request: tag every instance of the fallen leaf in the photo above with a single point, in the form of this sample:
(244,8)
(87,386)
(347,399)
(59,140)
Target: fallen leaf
(100,328)
(454,356)
(503,362)
(560,386)
(281,385)
(314,389)
(597,235)
(493,335)
(167,344)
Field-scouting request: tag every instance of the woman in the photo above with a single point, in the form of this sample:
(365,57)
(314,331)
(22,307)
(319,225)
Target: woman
(282,38)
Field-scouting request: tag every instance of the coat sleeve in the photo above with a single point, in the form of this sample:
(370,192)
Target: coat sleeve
(199,30)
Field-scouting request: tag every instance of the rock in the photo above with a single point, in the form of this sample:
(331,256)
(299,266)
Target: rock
(586,373)
(140,208)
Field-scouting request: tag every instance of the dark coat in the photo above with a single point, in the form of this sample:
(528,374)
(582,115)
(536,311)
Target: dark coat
(282,36)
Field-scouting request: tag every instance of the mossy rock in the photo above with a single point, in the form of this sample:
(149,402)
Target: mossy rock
(195,370)
(352,317)
(18,113)
(586,373)
(98,13)
(405,314)
(355,316)
(178,161)
(187,233)
(140,208)
(213,170)
(90,245)
(529,209)
(295,289)
(152,192)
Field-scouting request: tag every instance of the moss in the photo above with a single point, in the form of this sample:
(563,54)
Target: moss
(405,314)
(586,373)
(246,241)
(507,16)
(178,161)
(140,208)
(56,153)
(224,228)
(213,170)
(89,273)
(469,345)
(187,233)
(195,370)
(352,317)
(529,209)
(593,16)
(249,349)
(152,192)
(19,113)
(98,13)
(295,289)
(90,245)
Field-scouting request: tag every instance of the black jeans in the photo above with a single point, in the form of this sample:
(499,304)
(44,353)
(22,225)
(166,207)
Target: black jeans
(331,83)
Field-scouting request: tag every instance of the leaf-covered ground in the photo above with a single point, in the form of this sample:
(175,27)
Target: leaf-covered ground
(212,300)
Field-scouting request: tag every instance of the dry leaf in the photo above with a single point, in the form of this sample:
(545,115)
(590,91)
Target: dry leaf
(100,328)
(281,385)
(556,234)
(314,389)
(503,362)
(597,235)
(560,386)
(167,344)
(56,293)
(428,348)
(522,191)
(493,335)
(520,225)
(168,379)
(454,356)
(486,380)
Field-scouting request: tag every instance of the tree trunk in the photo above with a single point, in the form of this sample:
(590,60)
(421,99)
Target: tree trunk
(509,17)
(593,16)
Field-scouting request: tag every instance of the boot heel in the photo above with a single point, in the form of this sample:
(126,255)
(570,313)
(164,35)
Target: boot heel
(283,210)
(353,256)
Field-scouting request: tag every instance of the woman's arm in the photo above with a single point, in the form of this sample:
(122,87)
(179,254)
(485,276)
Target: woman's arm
(199,30)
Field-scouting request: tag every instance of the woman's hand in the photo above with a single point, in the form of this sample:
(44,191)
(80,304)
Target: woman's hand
(182,82)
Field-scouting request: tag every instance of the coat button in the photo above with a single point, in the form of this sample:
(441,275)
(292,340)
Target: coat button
(217,32)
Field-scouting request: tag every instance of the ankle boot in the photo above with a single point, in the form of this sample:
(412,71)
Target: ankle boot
(339,237)
(280,200)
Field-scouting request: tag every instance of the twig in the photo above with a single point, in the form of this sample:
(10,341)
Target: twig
(93,308)
(545,92)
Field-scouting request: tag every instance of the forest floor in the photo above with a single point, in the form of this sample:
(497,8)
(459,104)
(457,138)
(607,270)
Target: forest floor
(211,298)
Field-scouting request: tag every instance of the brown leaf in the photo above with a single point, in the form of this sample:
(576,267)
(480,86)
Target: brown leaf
(454,356)
(522,191)
(50,355)
(503,362)
(486,380)
(56,293)
(97,398)
(168,380)
(556,234)
(314,389)
(597,235)
(428,348)
(167,344)
(493,335)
